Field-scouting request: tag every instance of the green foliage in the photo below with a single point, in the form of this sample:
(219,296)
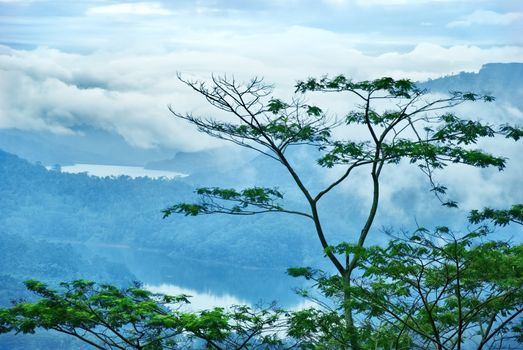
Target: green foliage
(445,290)
(318,329)
(107,317)
(346,152)
(512,132)
(438,156)
(462,131)
(100,315)
(212,201)
(275,106)
(184,208)
(430,290)
(500,217)
(395,88)
(305,272)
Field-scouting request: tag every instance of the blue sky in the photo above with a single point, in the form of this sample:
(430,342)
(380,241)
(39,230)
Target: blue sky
(113,64)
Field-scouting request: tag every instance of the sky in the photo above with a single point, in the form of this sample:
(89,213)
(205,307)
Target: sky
(112,65)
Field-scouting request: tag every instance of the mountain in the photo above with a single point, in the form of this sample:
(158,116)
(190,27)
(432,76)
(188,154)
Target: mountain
(88,145)
(121,211)
(63,226)
(35,233)
(218,159)
(502,80)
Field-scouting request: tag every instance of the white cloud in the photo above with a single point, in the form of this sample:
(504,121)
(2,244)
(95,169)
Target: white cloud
(336,2)
(128,91)
(403,2)
(481,17)
(50,104)
(134,8)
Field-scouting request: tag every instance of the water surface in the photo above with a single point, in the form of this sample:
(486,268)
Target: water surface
(119,170)
(210,283)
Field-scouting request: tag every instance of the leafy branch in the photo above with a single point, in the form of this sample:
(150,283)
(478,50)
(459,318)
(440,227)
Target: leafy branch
(500,217)
(248,201)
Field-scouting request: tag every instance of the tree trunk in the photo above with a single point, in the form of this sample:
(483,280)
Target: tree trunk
(350,329)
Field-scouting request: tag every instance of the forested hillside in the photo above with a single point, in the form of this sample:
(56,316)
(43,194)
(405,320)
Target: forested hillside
(38,204)
(498,79)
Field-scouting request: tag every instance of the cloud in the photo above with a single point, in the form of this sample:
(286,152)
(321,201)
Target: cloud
(134,8)
(62,106)
(336,2)
(371,25)
(371,3)
(405,191)
(128,91)
(482,17)
(402,2)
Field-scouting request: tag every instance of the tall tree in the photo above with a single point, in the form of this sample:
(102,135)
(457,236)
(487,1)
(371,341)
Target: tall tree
(446,290)
(414,126)
(428,290)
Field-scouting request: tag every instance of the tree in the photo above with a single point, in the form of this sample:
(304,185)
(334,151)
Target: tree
(500,217)
(422,291)
(443,289)
(414,127)
(372,287)
(107,317)
(428,290)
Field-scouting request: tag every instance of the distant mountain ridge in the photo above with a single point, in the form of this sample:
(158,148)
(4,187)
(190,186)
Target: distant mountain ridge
(39,204)
(202,161)
(502,80)
(89,145)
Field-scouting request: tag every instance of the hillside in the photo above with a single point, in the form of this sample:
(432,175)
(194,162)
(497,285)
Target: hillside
(502,80)
(49,205)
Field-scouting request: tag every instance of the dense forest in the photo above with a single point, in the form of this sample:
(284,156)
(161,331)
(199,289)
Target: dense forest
(50,205)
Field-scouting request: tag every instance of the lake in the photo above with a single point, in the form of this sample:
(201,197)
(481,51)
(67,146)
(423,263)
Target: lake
(118,170)
(209,283)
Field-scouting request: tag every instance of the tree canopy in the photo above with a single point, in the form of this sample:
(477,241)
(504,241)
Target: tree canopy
(107,317)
